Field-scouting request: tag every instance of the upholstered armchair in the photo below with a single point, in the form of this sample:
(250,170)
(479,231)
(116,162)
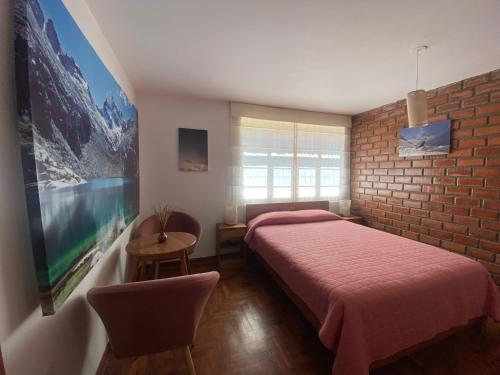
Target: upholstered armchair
(154,316)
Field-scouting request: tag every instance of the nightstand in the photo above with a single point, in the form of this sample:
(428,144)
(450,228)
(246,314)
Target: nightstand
(353,219)
(224,233)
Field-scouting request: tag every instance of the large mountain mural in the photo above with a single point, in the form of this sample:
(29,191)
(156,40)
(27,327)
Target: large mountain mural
(79,144)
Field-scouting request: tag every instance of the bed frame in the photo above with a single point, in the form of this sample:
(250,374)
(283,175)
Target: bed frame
(253,210)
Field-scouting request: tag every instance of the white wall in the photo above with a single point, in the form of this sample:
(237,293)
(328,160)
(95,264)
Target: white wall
(72,341)
(201,194)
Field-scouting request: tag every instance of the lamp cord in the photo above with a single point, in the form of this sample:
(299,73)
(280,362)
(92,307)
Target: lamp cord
(416,82)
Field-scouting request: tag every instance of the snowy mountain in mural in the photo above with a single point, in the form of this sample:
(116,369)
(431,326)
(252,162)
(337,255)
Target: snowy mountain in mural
(79,143)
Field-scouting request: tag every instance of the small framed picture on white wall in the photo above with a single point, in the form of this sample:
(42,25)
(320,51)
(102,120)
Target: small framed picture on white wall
(193,150)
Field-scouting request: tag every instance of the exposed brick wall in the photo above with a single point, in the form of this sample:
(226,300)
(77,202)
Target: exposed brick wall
(450,201)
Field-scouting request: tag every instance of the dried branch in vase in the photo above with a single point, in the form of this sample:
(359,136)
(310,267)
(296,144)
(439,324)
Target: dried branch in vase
(163,213)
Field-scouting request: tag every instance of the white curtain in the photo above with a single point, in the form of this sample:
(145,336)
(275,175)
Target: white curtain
(277,161)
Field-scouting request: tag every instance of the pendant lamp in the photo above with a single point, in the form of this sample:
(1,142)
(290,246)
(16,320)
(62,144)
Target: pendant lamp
(416,101)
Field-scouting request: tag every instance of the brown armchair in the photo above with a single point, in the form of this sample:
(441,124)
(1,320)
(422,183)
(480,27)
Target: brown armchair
(178,222)
(153,316)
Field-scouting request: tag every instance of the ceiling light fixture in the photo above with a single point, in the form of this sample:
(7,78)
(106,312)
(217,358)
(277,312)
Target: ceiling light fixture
(416,101)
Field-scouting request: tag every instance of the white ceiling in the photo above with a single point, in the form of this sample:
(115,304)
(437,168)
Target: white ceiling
(334,56)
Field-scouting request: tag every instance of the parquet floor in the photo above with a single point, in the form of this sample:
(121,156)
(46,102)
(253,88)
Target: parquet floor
(251,327)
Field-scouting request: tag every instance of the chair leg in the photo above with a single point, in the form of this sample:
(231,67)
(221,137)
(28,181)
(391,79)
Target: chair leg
(189,361)
(188,265)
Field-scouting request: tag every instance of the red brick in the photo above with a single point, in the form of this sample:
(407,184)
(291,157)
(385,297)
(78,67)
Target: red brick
(492,205)
(455,228)
(485,193)
(487,109)
(489,214)
(492,182)
(488,87)
(447,107)
(399,194)
(416,188)
(464,113)
(441,199)
(411,219)
(410,235)
(438,100)
(434,172)
(413,172)
(465,240)
(430,240)
(483,233)
(424,180)
(490,246)
(444,162)
(402,164)
(474,142)
(450,88)
(473,122)
(465,220)
(402,179)
(477,80)
(436,189)
(419,229)
(487,130)
(422,163)
(475,100)
(435,224)
(476,162)
(467,202)
(444,180)
(453,247)
(481,254)
(457,210)
(470,181)
(457,190)
(432,206)
(459,172)
(441,234)
(419,196)
(413,204)
(417,212)
(493,225)
(491,172)
(494,120)
(462,94)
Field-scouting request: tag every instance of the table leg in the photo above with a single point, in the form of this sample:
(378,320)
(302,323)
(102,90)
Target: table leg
(184,267)
(188,261)
(134,269)
(157,270)
(143,270)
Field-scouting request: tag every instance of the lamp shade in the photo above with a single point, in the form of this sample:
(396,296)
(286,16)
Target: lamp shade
(231,215)
(417,108)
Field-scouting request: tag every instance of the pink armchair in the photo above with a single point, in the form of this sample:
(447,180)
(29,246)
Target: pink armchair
(153,316)
(178,222)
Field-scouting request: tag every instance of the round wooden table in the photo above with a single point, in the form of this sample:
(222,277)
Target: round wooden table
(147,249)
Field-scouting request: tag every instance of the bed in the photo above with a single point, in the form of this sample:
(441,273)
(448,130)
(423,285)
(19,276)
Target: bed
(371,295)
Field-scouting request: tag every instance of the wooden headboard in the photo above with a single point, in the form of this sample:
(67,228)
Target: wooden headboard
(253,210)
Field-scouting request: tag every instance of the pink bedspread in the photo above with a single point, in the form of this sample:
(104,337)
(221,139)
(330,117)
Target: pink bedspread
(373,292)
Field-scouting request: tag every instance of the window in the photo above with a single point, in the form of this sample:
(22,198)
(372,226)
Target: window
(284,161)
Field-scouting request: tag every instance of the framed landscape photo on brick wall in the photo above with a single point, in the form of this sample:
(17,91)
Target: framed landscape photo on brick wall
(432,139)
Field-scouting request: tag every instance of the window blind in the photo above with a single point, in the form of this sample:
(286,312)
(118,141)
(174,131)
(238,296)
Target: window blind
(277,161)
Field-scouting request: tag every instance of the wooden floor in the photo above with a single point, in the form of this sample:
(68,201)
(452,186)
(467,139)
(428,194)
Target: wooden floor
(251,327)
